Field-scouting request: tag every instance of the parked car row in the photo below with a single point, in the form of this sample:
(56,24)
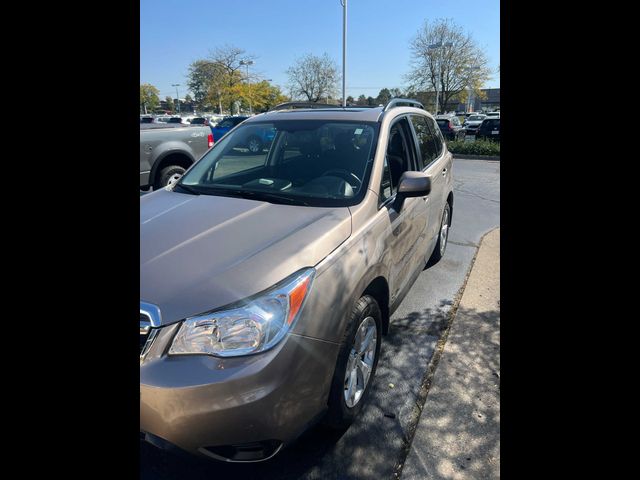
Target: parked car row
(483,126)
(207,120)
(450,127)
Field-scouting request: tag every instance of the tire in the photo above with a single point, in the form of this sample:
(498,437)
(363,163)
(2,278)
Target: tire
(166,173)
(364,316)
(254,144)
(441,245)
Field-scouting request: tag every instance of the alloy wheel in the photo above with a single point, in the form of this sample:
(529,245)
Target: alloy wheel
(444,230)
(360,363)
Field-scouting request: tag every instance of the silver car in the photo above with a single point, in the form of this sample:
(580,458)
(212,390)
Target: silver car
(267,280)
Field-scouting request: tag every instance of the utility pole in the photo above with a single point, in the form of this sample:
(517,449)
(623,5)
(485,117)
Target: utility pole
(177,95)
(247,63)
(344,52)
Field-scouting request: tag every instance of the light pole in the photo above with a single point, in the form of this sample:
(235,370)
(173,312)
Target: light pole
(434,47)
(177,95)
(469,71)
(247,63)
(344,52)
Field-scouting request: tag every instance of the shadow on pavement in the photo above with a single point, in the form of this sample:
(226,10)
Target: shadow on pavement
(459,433)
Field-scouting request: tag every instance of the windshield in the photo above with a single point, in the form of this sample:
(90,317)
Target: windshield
(301,162)
(475,117)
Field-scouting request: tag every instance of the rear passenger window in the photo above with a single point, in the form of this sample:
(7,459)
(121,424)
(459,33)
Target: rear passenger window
(437,136)
(430,144)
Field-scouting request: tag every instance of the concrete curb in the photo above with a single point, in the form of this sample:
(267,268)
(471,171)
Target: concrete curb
(476,157)
(458,434)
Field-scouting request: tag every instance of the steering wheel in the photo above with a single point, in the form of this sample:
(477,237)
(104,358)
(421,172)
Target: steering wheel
(346,175)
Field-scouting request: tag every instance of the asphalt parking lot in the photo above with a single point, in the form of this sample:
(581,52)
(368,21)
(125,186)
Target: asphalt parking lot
(376,444)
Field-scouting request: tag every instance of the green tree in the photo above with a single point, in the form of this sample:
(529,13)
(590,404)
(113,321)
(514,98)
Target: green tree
(261,96)
(384,96)
(169,102)
(459,62)
(350,100)
(200,77)
(149,99)
(214,80)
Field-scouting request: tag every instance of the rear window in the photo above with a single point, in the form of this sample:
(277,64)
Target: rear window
(198,121)
(175,120)
(443,123)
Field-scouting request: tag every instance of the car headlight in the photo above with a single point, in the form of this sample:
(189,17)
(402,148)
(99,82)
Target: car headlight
(255,326)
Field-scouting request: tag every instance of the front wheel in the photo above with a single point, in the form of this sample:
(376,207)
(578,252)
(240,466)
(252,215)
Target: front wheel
(443,236)
(357,362)
(169,173)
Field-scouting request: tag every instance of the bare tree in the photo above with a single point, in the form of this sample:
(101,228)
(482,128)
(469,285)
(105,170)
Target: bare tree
(459,63)
(313,77)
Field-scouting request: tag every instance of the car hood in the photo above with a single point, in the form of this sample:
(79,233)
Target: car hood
(200,252)
(474,123)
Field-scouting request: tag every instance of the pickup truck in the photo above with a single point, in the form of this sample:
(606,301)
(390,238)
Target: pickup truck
(169,150)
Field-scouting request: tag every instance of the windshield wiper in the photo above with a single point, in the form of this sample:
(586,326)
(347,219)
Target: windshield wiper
(259,195)
(188,189)
(252,195)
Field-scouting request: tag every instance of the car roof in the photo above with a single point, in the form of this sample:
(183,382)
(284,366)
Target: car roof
(364,114)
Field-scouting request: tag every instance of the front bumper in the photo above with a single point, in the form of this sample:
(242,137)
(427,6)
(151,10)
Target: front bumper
(204,405)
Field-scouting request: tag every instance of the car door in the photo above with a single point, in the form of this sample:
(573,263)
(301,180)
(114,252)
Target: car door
(436,164)
(221,128)
(407,226)
(146,147)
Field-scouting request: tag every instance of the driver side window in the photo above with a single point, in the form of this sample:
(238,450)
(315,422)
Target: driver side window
(398,155)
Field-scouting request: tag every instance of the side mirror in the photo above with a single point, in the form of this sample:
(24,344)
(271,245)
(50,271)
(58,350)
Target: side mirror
(411,184)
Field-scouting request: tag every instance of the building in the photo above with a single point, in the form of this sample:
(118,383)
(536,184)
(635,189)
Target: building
(489,100)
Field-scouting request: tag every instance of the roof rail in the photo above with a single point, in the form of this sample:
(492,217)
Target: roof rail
(292,105)
(398,102)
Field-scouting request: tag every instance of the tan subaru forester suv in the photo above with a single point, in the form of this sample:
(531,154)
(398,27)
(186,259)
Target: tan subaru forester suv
(268,277)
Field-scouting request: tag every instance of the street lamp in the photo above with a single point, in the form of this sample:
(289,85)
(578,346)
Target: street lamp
(344,52)
(434,47)
(177,96)
(247,63)
(469,71)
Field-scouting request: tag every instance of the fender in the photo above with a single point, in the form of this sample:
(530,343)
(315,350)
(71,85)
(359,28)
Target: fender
(166,150)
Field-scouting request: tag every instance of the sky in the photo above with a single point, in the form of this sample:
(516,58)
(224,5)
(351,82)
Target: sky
(174,33)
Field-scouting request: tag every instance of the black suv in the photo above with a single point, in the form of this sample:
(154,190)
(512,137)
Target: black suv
(490,129)
(450,127)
